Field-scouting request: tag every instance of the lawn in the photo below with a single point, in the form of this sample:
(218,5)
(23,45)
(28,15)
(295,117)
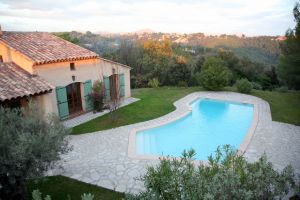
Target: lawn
(154,103)
(61,188)
(285,106)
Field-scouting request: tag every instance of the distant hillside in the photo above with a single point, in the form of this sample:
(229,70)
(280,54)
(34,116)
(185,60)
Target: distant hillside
(262,49)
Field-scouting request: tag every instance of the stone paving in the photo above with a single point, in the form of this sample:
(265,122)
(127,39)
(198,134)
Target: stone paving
(90,115)
(101,158)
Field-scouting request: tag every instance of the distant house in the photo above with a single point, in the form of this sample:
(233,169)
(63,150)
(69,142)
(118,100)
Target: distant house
(56,74)
(281,38)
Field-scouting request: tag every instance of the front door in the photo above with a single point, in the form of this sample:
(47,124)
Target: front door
(114,88)
(74,98)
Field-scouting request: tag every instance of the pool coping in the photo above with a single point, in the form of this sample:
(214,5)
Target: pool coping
(183,108)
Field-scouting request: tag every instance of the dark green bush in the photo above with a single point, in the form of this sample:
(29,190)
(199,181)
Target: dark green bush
(182,84)
(214,74)
(139,81)
(243,86)
(256,86)
(227,175)
(282,89)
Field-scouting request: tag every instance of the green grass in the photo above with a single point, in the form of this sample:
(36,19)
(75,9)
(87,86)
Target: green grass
(60,187)
(154,103)
(285,106)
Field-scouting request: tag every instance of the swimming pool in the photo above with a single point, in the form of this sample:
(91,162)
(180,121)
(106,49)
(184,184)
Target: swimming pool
(210,124)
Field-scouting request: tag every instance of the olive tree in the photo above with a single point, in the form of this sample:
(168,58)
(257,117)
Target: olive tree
(29,145)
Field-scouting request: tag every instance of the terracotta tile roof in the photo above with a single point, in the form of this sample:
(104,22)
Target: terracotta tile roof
(44,48)
(16,82)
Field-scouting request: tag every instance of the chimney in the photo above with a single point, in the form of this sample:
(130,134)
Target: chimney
(1,33)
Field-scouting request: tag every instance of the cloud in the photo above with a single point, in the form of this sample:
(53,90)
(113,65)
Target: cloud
(255,17)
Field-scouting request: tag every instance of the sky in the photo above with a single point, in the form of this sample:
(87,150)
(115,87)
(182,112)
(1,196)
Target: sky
(250,17)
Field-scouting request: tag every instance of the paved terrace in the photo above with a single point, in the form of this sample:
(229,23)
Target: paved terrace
(101,158)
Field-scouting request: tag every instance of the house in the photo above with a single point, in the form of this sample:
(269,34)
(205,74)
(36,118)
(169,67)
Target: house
(56,74)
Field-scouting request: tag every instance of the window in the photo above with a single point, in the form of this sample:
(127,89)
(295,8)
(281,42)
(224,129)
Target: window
(1,59)
(72,66)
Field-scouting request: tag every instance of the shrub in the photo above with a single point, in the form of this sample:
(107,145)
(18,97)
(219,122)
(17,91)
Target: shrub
(87,196)
(214,74)
(282,89)
(97,96)
(256,86)
(243,86)
(182,84)
(37,195)
(153,83)
(138,81)
(227,175)
(29,146)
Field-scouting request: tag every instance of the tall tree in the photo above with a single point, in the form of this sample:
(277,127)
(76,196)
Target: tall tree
(289,65)
(214,74)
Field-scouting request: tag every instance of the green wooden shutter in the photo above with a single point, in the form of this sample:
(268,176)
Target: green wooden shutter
(122,84)
(87,89)
(62,102)
(107,87)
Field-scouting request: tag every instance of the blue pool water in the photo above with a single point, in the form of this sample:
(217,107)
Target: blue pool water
(210,124)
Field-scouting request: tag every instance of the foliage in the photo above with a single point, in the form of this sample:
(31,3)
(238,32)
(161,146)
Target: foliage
(178,70)
(153,83)
(289,65)
(182,84)
(97,96)
(214,74)
(282,89)
(139,81)
(87,196)
(154,56)
(68,37)
(243,86)
(227,175)
(256,86)
(37,195)
(64,188)
(29,145)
